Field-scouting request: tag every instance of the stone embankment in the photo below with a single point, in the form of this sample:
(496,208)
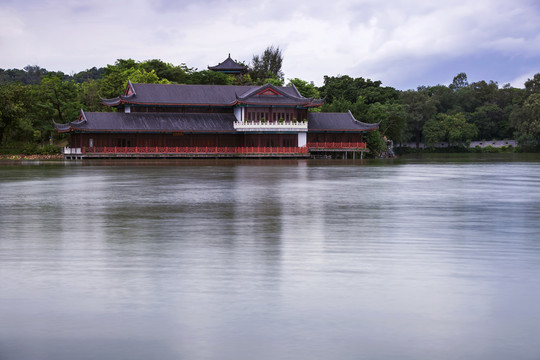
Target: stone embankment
(473,144)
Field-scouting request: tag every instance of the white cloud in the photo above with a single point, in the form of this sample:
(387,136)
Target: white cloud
(391,41)
(519,82)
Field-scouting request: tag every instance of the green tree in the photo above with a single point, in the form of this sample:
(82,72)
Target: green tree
(89,96)
(357,108)
(442,96)
(459,82)
(176,74)
(451,128)
(89,75)
(39,113)
(375,143)
(341,87)
(338,105)
(391,117)
(465,100)
(141,76)
(526,120)
(434,130)
(484,93)
(305,89)
(507,97)
(11,109)
(419,107)
(460,132)
(124,64)
(267,65)
(533,85)
(113,81)
(208,77)
(351,89)
(116,77)
(491,122)
(273,81)
(23,117)
(30,74)
(379,94)
(61,97)
(244,79)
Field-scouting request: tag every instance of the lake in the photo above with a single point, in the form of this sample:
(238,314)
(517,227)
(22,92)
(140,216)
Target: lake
(417,258)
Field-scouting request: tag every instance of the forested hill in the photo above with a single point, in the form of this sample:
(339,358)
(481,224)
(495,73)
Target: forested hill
(31,75)
(31,98)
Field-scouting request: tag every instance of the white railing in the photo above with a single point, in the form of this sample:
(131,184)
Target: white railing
(71,151)
(294,126)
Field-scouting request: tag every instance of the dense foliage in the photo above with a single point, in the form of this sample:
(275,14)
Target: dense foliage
(458,113)
(266,68)
(32,98)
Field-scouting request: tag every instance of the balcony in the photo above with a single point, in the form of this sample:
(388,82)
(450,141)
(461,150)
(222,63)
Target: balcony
(274,126)
(71,151)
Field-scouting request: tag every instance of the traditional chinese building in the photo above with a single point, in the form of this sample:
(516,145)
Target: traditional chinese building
(167,120)
(229,66)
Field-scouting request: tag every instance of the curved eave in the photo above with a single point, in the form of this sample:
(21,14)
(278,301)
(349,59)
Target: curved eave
(310,104)
(215,68)
(111,102)
(127,97)
(71,125)
(150,131)
(228,65)
(62,127)
(118,100)
(342,130)
(370,127)
(174,104)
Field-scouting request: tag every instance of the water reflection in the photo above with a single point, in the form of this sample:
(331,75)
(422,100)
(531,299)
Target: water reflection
(270,259)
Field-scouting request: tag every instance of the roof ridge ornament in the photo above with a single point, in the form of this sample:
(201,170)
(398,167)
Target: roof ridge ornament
(83,115)
(129,87)
(295,89)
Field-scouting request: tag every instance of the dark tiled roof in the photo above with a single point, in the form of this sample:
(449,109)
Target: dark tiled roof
(337,122)
(216,95)
(185,94)
(283,96)
(229,65)
(150,122)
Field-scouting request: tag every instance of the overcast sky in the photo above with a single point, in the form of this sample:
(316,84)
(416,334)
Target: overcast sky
(404,44)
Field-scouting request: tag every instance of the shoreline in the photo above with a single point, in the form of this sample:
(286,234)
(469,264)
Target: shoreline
(18,157)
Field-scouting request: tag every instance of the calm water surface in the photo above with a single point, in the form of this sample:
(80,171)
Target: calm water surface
(410,259)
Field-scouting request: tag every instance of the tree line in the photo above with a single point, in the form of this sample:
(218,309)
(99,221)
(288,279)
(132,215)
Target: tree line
(32,98)
(458,113)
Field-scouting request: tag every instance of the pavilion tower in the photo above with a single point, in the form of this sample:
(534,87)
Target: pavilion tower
(229,66)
